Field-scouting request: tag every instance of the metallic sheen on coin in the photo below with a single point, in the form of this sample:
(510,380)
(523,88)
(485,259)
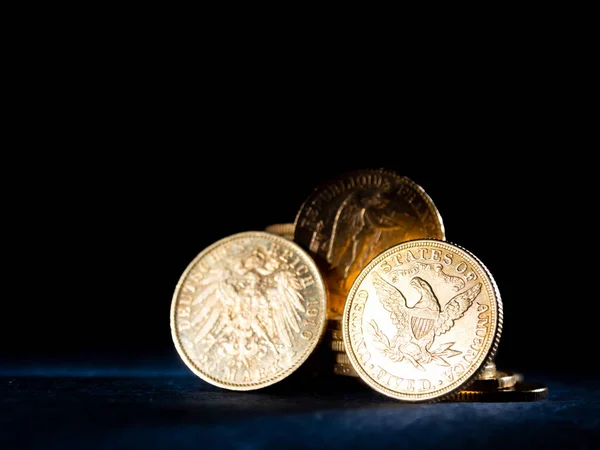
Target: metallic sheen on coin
(422,320)
(248,310)
(354,217)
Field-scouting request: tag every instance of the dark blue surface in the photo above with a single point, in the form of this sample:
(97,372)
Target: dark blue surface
(109,408)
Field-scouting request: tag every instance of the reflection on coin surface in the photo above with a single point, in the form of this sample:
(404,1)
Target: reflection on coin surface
(282,229)
(350,220)
(248,310)
(520,392)
(422,319)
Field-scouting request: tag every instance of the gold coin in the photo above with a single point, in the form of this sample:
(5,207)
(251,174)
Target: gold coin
(337,346)
(335,322)
(422,320)
(351,219)
(488,372)
(282,229)
(248,310)
(342,358)
(344,369)
(336,335)
(501,380)
(520,392)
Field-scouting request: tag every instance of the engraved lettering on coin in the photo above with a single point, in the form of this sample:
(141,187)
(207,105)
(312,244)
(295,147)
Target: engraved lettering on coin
(355,217)
(417,331)
(248,310)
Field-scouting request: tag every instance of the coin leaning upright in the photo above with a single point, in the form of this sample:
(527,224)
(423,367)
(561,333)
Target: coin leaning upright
(422,320)
(349,220)
(248,310)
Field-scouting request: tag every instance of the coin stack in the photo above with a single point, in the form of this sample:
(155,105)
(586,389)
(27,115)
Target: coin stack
(364,270)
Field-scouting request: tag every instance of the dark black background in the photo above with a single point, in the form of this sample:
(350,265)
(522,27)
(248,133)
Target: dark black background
(108,236)
(125,156)
(117,185)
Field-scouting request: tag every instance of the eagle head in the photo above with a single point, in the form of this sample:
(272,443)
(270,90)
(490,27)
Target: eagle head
(420,285)
(428,298)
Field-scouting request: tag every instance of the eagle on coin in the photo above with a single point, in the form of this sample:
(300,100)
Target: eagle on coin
(248,308)
(418,326)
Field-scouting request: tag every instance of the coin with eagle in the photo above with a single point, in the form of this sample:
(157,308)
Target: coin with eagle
(422,320)
(248,310)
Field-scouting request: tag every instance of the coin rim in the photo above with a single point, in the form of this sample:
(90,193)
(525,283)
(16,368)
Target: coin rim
(337,346)
(319,281)
(402,178)
(342,358)
(446,392)
(533,391)
(286,234)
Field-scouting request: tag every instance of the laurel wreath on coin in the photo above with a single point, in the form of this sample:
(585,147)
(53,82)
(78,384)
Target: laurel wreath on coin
(382,343)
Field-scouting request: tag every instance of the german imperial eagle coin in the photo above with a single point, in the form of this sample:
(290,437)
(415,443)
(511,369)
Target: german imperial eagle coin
(349,220)
(422,320)
(248,311)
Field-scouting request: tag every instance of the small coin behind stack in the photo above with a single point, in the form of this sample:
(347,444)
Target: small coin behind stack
(336,335)
(489,370)
(282,229)
(342,358)
(520,392)
(335,322)
(345,369)
(501,380)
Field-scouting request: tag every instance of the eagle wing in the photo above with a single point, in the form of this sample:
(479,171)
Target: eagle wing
(285,303)
(455,309)
(348,221)
(392,300)
(209,312)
